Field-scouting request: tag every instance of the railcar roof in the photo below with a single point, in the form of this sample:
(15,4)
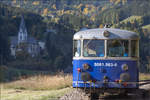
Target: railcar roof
(98,34)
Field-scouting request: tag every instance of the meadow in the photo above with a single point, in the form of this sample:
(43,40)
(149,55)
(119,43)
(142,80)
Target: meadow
(41,87)
(144,76)
(41,82)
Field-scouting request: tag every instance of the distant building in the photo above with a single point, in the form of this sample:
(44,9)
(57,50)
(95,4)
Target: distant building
(32,46)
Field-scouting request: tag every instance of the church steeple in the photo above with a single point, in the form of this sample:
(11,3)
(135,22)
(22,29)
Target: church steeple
(22,34)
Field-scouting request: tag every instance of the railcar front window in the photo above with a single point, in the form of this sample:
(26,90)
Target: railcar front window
(117,48)
(77,48)
(134,48)
(93,48)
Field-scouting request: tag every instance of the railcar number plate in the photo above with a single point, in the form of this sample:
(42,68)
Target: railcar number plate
(106,64)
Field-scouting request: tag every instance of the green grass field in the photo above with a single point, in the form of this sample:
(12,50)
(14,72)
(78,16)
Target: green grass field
(17,94)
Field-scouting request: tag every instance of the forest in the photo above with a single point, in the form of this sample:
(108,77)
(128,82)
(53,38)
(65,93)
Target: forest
(55,22)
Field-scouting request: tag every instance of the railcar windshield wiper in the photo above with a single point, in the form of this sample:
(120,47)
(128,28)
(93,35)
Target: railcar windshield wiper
(86,45)
(89,41)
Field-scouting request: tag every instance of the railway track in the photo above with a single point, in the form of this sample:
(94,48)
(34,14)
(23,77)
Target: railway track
(143,93)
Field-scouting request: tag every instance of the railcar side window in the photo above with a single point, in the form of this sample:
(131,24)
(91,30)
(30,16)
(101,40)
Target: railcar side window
(134,48)
(117,48)
(77,48)
(93,48)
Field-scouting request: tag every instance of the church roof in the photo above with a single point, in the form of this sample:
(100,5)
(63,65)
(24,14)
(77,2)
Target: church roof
(22,25)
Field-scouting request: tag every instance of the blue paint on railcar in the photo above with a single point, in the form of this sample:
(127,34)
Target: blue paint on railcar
(100,68)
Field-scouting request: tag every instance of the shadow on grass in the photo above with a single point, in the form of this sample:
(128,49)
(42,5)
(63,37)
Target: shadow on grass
(8,74)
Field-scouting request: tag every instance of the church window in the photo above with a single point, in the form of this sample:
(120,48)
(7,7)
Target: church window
(20,37)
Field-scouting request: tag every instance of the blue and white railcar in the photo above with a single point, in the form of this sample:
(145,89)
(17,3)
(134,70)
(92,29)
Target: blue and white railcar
(105,58)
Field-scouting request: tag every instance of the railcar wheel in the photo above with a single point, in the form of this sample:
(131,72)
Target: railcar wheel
(94,96)
(123,94)
(143,93)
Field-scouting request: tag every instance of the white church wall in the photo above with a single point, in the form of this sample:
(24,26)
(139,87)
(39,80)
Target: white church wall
(33,47)
(13,51)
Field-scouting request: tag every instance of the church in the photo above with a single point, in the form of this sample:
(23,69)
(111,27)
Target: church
(25,42)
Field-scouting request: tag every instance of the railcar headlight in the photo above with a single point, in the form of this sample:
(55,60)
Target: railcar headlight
(125,67)
(106,33)
(85,76)
(78,69)
(125,77)
(86,66)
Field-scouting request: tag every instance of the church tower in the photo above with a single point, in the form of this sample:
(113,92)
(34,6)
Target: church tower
(22,34)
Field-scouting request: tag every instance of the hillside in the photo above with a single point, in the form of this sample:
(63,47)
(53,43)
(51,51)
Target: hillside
(10,18)
(131,19)
(55,10)
(146,27)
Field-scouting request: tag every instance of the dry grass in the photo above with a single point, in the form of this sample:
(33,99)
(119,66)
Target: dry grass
(49,82)
(143,76)
(42,82)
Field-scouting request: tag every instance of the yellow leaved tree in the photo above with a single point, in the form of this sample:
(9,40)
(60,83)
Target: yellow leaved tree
(36,3)
(14,1)
(101,26)
(45,11)
(117,1)
(85,11)
(124,1)
(54,6)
